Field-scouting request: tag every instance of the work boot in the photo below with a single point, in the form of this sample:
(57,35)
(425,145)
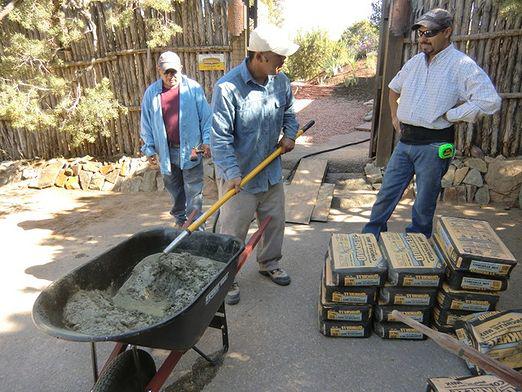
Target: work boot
(233,294)
(278,276)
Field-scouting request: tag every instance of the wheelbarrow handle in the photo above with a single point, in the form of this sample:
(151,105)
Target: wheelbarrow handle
(232,192)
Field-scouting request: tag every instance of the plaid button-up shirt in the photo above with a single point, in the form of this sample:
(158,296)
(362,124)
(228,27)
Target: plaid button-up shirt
(450,89)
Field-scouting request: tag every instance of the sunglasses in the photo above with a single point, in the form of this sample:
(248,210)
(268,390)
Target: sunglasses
(428,33)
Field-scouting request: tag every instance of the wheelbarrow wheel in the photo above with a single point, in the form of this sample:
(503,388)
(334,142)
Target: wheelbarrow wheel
(121,374)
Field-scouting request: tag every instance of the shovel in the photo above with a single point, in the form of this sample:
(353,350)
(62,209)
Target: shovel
(230,193)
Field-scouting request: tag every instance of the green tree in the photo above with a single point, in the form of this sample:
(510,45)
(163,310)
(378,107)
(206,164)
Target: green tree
(34,94)
(317,54)
(361,38)
(275,11)
(510,7)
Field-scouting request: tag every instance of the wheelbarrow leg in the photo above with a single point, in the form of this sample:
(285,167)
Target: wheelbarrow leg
(219,322)
(94,362)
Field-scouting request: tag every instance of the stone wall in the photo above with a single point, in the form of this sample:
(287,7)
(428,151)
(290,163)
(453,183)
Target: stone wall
(474,180)
(126,175)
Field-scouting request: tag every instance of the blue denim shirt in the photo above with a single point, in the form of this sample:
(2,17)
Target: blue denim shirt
(195,123)
(247,122)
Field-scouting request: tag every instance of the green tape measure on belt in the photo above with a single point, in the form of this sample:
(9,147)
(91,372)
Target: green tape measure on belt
(446,150)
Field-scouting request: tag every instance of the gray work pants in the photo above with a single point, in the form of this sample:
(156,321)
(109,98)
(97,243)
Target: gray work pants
(237,213)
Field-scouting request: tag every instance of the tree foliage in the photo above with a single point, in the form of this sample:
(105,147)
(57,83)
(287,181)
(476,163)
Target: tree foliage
(510,7)
(361,38)
(275,11)
(317,54)
(34,94)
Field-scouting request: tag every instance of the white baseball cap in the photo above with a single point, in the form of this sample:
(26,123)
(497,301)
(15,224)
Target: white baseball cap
(169,60)
(269,38)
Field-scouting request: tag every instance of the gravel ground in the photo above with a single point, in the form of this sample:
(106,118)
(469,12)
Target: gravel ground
(333,116)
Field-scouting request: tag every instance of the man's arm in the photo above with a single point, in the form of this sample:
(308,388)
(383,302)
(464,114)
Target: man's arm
(205,120)
(392,98)
(148,149)
(222,137)
(478,94)
(290,124)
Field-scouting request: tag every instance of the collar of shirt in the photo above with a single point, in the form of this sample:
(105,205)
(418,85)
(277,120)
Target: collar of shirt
(247,76)
(441,55)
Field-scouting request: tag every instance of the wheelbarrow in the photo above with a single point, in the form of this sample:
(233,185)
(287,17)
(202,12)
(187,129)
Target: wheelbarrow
(134,369)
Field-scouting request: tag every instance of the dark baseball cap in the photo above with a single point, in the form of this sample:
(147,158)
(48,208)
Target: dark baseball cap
(436,19)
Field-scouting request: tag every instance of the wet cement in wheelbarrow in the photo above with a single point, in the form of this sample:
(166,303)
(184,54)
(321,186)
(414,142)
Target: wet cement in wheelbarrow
(159,286)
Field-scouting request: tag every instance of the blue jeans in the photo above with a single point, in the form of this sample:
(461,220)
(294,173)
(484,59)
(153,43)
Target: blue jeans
(406,160)
(185,188)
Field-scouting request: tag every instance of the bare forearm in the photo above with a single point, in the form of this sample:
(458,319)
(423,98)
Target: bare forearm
(392,98)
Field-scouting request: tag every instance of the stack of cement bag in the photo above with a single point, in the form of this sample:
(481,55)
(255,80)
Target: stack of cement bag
(354,270)
(414,275)
(478,266)
(497,334)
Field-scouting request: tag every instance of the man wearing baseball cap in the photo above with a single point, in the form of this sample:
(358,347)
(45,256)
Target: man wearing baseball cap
(252,104)
(175,118)
(438,87)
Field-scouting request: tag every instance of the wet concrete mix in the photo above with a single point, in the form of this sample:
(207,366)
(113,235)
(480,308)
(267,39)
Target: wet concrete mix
(159,286)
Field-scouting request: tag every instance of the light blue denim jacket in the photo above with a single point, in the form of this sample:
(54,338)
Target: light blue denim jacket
(195,123)
(246,125)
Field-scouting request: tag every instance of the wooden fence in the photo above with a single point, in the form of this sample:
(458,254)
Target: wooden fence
(495,43)
(122,56)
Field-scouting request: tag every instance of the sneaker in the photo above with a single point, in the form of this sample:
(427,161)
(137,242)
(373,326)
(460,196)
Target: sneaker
(233,294)
(278,276)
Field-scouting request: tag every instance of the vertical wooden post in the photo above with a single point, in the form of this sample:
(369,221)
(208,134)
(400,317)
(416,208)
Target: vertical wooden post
(385,10)
(237,13)
(396,22)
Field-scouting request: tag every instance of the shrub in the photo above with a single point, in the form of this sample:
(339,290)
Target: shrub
(318,54)
(361,38)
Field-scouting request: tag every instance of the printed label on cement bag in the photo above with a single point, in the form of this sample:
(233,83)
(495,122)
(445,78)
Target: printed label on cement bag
(504,328)
(417,316)
(412,299)
(362,280)
(442,238)
(405,334)
(480,284)
(476,238)
(348,331)
(483,267)
(409,250)
(355,250)
(350,298)
(484,383)
(471,305)
(344,315)
(421,281)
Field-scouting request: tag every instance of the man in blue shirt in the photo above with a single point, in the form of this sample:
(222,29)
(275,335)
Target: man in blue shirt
(175,118)
(251,105)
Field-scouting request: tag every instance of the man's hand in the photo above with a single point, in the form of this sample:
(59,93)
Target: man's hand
(286,144)
(396,124)
(153,161)
(206,150)
(233,184)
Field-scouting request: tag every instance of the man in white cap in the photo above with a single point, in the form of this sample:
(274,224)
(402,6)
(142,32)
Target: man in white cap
(252,104)
(175,119)
(438,87)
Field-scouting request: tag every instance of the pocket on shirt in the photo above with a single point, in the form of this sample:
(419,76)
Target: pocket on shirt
(279,110)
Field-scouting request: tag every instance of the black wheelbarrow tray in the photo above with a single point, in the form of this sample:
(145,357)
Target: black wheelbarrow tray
(178,333)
